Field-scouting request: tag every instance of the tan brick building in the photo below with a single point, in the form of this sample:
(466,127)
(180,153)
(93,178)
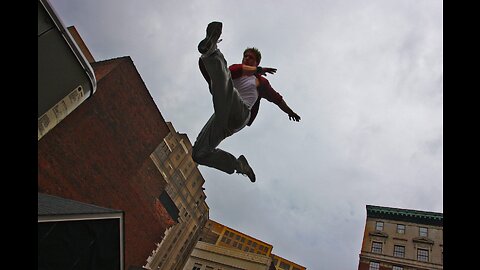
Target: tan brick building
(222,247)
(284,264)
(401,239)
(174,161)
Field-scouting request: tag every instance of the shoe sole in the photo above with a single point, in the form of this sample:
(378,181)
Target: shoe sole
(214,30)
(253,178)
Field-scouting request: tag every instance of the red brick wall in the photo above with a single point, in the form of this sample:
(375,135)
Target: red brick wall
(363,266)
(99,154)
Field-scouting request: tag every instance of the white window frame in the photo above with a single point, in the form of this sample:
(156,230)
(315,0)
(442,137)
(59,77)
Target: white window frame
(377,225)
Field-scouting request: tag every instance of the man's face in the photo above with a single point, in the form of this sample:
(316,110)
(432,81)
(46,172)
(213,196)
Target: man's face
(249,59)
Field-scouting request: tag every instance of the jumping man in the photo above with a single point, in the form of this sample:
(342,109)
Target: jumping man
(236,91)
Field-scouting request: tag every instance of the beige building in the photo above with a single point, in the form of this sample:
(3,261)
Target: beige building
(221,247)
(284,264)
(224,248)
(206,256)
(402,239)
(174,161)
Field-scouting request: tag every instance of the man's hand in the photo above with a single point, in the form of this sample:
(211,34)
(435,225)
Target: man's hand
(293,116)
(265,70)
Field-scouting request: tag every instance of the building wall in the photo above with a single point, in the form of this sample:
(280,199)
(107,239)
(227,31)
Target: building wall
(174,161)
(411,240)
(383,266)
(284,264)
(207,256)
(100,154)
(225,238)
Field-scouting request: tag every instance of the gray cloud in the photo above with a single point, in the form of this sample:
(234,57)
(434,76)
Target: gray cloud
(365,76)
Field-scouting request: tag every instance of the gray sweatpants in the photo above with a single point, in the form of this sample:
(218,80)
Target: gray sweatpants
(230,114)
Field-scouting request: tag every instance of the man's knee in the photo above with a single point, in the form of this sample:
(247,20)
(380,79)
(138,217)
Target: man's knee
(198,155)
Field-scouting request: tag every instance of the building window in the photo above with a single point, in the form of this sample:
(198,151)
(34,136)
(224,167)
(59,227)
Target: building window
(162,152)
(377,247)
(165,140)
(399,251)
(423,232)
(397,267)
(182,143)
(284,266)
(400,228)
(422,255)
(379,226)
(374,266)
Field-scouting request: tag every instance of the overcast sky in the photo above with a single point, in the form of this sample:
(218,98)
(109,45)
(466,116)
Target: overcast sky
(365,76)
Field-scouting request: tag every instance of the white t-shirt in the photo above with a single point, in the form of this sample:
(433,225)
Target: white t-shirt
(247,88)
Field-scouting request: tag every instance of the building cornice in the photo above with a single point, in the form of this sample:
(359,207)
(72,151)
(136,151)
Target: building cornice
(407,215)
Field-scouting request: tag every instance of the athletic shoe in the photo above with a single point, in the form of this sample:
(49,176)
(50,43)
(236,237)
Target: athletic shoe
(245,169)
(208,44)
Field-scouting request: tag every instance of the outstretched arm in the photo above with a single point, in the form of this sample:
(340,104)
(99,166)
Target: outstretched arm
(291,114)
(250,70)
(273,96)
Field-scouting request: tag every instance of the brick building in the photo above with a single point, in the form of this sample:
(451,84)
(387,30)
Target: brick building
(402,239)
(100,155)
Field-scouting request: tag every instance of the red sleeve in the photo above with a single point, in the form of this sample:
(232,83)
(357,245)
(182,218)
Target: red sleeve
(236,70)
(268,92)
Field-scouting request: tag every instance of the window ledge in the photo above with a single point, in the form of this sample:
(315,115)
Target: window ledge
(379,233)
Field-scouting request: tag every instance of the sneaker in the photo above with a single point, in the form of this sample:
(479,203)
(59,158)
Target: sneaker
(214,30)
(245,169)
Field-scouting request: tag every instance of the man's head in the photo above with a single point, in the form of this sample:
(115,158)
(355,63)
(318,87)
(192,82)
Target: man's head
(251,57)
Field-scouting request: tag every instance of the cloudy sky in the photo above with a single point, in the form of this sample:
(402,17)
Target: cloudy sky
(365,76)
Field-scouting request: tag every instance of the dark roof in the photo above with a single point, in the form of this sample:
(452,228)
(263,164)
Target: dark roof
(407,215)
(49,205)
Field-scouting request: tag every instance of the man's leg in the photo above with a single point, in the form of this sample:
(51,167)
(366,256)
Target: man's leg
(221,85)
(230,113)
(230,109)
(205,151)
